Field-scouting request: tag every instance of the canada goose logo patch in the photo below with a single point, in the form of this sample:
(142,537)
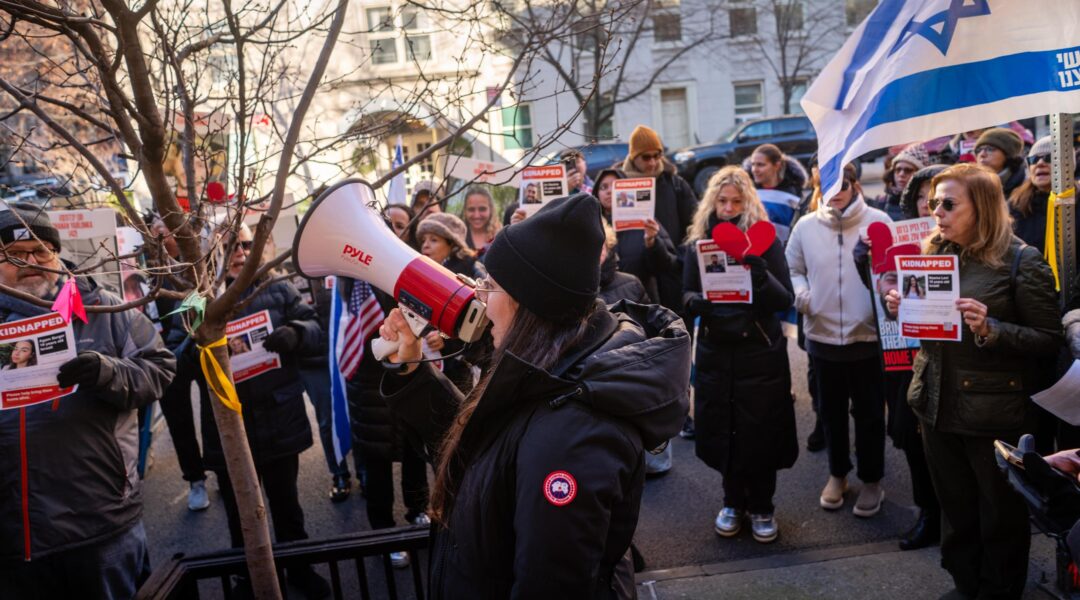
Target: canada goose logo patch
(560,488)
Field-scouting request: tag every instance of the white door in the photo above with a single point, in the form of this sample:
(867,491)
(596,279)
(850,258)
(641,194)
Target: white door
(675,115)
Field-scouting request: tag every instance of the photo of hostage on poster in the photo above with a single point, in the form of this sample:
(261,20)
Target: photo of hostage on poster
(929,288)
(723,280)
(31,352)
(540,185)
(632,203)
(244,339)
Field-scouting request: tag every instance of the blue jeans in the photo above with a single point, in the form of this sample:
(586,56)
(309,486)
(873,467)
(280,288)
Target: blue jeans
(111,570)
(317,384)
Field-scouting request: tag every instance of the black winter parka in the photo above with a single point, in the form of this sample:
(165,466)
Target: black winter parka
(551,465)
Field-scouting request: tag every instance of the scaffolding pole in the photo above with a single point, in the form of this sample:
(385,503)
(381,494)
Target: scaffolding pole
(1064,165)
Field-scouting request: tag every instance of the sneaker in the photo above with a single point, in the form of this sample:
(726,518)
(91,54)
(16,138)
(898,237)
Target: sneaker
(305,578)
(687,432)
(399,560)
(870,498)
(340,488)
(764,528)
(728,522)
(832,497)
(197,498)
(420,519)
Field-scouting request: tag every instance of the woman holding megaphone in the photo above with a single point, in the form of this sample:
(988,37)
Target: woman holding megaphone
(540,470)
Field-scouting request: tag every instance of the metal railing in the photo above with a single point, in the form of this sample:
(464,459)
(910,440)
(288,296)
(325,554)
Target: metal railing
(180,577)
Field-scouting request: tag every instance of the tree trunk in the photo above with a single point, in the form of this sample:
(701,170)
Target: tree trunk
(245,483)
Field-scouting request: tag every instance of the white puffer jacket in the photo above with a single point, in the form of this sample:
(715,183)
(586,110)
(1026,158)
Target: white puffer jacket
(828,290)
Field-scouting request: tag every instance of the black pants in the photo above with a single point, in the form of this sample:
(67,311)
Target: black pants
(751,491)
(922,486)
(279,485)
(380,487)
(857,384)
(985,531)
(176,406)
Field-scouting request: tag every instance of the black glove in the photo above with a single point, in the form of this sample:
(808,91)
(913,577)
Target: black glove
(759,269)
(698,306)
(283,339)
(84,370)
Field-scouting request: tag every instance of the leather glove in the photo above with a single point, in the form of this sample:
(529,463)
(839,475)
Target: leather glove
(283,339)
(698,306)
(84,370)
(759,269)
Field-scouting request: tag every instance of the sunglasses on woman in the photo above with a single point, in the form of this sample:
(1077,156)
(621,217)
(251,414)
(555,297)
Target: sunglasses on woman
(1034,160)
(947,203)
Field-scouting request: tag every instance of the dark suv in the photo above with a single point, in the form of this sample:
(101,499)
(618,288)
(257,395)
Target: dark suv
(794,135)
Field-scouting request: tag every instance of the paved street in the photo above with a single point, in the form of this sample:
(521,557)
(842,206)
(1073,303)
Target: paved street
(819,553)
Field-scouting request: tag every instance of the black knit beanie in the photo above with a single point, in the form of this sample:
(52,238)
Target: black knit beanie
(13,224)
(550,262)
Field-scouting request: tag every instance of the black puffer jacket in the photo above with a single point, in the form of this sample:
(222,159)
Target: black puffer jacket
(743,403)
(274,413)
(552,463)
(81,457)
(974,389)
(616,285)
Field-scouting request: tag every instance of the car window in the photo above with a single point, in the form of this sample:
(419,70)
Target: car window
(791,126)
(598,155)
(756,131)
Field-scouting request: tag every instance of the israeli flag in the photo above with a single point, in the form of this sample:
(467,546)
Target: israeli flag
(396,192)
(920,69)
(339,400)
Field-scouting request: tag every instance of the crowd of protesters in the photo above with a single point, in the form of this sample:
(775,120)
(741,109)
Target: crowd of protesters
(553,398)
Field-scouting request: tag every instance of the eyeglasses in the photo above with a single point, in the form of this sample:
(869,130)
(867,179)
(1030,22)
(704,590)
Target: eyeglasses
(650,156)
(985,148)
(484,287)
(248,245)
(947,203)
(41,254)
(1034,160)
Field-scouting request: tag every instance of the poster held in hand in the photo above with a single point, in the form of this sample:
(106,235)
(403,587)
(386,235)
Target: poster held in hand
(31,353)
(633,203)
(929,289)
(245,338)
(540,185)
(723,280)
(887,241)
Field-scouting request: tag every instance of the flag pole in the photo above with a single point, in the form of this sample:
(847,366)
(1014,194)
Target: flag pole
(1064,187)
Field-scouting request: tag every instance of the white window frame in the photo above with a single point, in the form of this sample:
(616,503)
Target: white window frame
(742,118)
(398,35)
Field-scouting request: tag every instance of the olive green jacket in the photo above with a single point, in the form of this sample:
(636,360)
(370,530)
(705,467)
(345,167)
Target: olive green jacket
(980,387)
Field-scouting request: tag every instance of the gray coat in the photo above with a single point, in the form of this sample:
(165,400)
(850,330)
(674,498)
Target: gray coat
(81,457)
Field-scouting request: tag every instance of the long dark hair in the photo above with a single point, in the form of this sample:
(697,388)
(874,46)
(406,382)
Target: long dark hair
(531,338)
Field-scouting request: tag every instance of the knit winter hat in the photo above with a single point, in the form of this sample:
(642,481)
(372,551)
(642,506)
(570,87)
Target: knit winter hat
(1042,146)
(644,140)
(1006,140)
(15,217)
(445,225)
(914,154)
(550,262)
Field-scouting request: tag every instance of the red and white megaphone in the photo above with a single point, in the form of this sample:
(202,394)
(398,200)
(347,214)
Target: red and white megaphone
(341,235)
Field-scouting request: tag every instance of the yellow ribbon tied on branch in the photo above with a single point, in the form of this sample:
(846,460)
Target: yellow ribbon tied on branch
(215,376)
(1050,252)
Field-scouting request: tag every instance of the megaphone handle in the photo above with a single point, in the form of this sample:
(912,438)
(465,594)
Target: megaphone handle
(382,347)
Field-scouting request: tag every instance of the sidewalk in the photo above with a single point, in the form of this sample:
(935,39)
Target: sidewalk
(876,571)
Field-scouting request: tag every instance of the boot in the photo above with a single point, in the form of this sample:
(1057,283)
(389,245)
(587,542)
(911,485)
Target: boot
(926,532)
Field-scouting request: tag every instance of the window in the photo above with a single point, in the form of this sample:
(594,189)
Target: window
(417,41)
(858,10)
(667,27)
(384,51)
(757,131)
(743,21)
(517,127)
(789,15)
(791,126)
(749,101)
(394,36)
(798,90)
(380,20)
(427,166)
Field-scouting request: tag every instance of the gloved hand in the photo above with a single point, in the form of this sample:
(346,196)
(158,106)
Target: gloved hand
(84,370)
(283,339)
(698,306)
(759,269)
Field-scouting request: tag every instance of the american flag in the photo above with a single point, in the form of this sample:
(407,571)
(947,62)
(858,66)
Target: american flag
(364,315)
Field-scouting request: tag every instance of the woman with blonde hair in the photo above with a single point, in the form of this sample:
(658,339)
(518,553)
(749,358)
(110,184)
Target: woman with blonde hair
(744,412)
(970,393)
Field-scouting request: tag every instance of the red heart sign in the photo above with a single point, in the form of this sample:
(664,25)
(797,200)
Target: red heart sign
(731,240)
(880,240)
(761,235)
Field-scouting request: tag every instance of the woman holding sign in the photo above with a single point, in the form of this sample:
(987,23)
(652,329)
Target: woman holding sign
(969,393)
(744,411)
